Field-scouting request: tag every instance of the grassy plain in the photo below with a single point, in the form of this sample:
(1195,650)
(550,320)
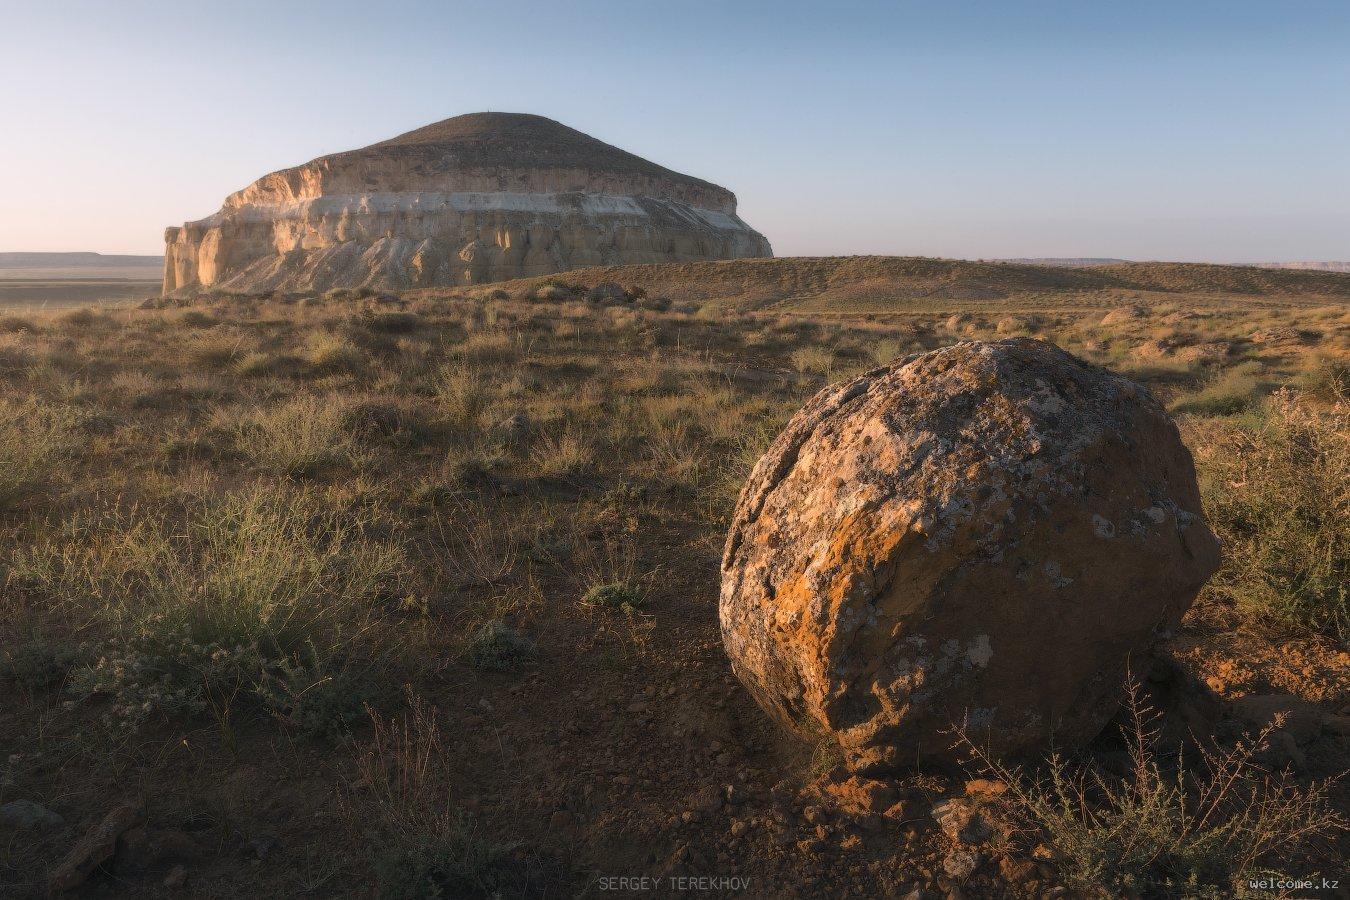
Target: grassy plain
(373,594)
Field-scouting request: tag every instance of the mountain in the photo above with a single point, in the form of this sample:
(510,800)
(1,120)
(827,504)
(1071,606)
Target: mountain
(476,198)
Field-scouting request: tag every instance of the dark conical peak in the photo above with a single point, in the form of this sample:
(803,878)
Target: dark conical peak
(517,141)
(473,128)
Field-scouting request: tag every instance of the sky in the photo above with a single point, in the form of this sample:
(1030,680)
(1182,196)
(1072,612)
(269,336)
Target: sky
(1170,131)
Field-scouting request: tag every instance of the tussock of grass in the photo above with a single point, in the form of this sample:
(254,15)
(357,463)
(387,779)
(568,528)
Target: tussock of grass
(1277,491)
(1201,828)
(301,437)
(462,394)
(199,614)
(566,456)
(331,354)
(1235,390)
(1327,379)
(36,439)
(819,360)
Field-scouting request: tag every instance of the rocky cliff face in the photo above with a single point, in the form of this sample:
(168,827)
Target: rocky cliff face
(477,198)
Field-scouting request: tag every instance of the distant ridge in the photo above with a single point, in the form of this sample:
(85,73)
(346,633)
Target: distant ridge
(75,260)
(1072,261)
(1082,262)
(1311,265)
(843,283)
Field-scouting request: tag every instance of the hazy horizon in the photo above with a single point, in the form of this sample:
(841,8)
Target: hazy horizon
(1215,133)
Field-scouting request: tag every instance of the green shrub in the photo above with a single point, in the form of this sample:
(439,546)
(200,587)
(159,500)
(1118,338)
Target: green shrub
(614,595)
(253,586)
(317,697)
(1236,390)
(497,647)
(38,662)
(155,666)
(1277,491)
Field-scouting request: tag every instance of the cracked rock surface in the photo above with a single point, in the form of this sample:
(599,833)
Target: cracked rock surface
(991,534)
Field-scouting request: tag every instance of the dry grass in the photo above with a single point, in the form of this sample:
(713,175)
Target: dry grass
(1277,490)
(36,440)
(253,517)
(1197,828)
(402,805)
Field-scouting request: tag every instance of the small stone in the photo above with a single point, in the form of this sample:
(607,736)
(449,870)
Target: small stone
(93,849)
(863,795)
(811,845)
(896,811)
(989,786)
(739,828)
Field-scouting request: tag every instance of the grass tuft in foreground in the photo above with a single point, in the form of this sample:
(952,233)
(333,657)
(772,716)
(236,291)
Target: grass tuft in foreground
(1277,491)
(257,595)
(1196,829)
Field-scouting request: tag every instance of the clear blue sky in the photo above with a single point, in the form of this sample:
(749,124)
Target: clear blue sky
(1178,130)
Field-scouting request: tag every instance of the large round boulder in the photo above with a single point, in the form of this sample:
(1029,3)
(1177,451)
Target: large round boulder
(990,535)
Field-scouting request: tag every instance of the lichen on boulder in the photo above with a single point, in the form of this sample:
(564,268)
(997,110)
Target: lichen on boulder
(990,535)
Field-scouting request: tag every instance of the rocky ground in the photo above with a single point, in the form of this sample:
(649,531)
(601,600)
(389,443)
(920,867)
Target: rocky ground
(469,550)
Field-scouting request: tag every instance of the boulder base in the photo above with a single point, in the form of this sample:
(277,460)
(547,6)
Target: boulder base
(991,534)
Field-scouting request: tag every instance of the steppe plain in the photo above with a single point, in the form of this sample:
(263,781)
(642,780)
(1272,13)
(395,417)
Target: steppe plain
(364,594)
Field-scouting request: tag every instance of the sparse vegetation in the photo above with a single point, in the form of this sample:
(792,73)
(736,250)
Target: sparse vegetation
(1195,828)
(230,525)
(1277,489)
(36,438)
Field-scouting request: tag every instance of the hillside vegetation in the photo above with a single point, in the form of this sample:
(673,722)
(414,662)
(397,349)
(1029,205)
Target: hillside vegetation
(895,283)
